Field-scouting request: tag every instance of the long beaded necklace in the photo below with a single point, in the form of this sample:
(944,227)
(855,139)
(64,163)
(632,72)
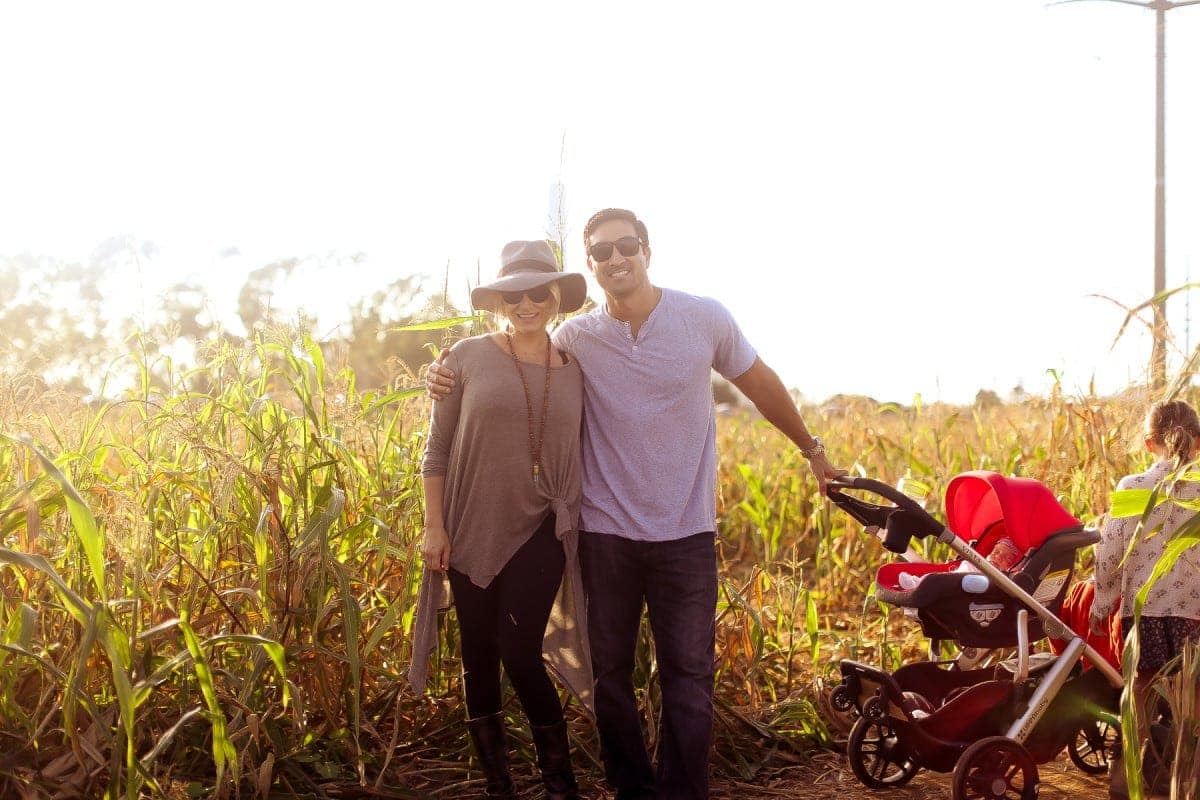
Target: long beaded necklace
(535,445)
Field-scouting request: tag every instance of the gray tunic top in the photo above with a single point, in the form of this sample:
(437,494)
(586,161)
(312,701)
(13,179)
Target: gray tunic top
(479,440)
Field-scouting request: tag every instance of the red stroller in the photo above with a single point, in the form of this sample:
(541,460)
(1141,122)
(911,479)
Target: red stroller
(989,726)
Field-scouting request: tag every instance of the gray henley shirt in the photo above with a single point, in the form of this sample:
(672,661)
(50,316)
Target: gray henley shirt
(649,427)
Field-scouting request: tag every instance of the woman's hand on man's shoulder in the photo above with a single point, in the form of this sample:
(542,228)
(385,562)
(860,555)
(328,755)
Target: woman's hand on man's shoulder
(439,378)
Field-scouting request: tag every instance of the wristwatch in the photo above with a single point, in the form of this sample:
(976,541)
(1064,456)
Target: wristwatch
(817,449)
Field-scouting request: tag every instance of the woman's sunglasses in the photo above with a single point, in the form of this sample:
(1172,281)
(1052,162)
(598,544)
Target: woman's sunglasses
(627,246)
(537,294)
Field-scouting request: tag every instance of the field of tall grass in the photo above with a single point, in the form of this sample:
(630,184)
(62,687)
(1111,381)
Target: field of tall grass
(209,593)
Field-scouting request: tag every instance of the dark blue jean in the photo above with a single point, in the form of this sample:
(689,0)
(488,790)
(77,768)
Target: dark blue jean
(677,583)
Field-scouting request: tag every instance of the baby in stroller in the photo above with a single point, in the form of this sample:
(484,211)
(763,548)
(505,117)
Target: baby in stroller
(990,726)
(1004,556)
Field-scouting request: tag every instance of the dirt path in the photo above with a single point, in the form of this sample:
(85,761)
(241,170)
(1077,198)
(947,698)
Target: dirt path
(829,776)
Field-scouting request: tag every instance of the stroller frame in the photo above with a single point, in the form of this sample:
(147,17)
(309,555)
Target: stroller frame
(906,519)
(1076,647)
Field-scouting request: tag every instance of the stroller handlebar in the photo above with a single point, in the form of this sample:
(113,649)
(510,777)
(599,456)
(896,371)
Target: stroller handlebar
(902,521)
(878,487)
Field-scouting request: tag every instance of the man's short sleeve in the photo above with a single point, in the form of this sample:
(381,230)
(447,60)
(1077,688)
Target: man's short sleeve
(566,335)
(732,352)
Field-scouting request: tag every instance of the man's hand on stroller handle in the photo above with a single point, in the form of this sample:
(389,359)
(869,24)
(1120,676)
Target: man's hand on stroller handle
(824,472)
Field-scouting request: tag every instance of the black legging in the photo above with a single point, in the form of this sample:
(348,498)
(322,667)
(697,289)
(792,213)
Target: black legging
(505,623)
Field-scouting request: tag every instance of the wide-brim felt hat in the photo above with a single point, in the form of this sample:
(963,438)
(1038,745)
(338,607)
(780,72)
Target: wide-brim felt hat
(527,265)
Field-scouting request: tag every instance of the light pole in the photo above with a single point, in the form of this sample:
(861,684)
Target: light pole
(1158,353)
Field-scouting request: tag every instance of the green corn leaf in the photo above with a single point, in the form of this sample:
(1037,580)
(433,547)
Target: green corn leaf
(165,669)
(393,397)
(438,324)
(150,633)
(224,754)
(1124,503)
(24,653)
(756,625)
(262,550)
(166,738)
(273,649)
(82,519)
(73,693)
(318,526)
(26,620)
(812,625)
(317,358)
(352,622)
(78,671)
(75,605)
(384,625)
(1183,540)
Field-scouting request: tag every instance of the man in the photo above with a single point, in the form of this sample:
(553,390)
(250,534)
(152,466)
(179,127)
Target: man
(648,518)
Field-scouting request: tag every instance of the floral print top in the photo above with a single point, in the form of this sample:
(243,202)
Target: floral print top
(1177,594)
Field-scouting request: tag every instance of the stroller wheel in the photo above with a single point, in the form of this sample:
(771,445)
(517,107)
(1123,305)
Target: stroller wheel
(831,705)
(876,756)
(1094,746)
(993,768)
(841,699)
(873,708)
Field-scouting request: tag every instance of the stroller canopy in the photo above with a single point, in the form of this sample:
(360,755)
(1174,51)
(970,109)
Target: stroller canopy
(984,506)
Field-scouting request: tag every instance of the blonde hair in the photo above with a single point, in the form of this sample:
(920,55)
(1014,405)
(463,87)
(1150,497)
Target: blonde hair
(499,311)
(1175,426)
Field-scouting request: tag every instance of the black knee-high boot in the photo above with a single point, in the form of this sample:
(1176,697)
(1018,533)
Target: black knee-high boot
(491,748)
(554,761)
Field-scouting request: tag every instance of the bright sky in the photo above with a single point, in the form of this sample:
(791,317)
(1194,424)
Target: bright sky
(891,197)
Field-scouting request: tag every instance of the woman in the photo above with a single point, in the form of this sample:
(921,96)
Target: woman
(501,476)
(1171,615)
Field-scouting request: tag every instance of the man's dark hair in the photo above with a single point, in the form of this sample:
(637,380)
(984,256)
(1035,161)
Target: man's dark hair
(604,215)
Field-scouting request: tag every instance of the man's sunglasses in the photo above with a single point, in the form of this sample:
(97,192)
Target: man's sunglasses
(537,294)
(627,246)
